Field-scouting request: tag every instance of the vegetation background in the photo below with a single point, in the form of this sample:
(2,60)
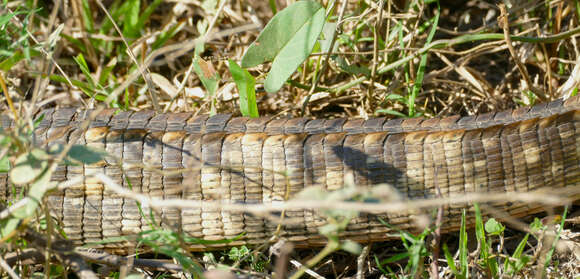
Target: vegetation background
(399,58)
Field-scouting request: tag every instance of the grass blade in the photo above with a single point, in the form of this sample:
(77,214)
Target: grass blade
(463,247)
(245,83)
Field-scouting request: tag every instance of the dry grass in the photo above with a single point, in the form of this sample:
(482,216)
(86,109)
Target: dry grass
(375,69)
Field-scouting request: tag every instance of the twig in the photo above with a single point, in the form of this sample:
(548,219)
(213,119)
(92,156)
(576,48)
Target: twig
(554,197)
(360,262)
(4,265)
(282,261)
(504,24)
(101,257)
(64,251)
(330,248)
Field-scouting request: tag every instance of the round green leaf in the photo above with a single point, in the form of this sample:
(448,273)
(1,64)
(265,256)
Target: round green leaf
(28,166)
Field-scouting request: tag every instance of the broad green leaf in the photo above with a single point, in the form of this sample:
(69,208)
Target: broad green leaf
(4,164)
(281,29)
(328,32)
(8,227)
(245,83)
(28,166)
(351,247)
(13,59)
(493,227)
(37,190)
(287,40)
(86,154)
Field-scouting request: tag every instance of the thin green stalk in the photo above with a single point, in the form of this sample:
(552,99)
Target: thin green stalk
(332,246)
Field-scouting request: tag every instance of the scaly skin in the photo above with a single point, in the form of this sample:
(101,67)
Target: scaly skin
(232,159)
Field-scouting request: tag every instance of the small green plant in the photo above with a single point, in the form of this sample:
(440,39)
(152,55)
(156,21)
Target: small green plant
(415,252)
(14,40)
(244,255)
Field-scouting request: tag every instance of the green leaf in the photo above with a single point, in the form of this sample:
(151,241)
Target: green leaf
(87,17)
(80,60)
(352,69)
(4,164)
(245,83)
(207,74)
(328,32)
(209,78)
(86,154)
(37,190)
(28,166)
(451,262)
(351,247)
(7,227)
(521,260)
(392,112)
(131,18)
(9,62)
(463,247)
(493,227)
(287,40)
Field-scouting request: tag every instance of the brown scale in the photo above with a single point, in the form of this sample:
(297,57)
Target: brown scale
(74,195)
(112,202)
(376,169)
(58,134)
(314,175)
(237,125)
(294,159)
(436,172)
(315,126)
(273,178)
(232,182)
(452,147)
(191,161)
(257,125)
(485,120)
(213,228)
(133,137)
(172,150)
(333,154)
(93,207)
(374,124)
(252,156)
(275,127)
(334,125)
(570,143)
